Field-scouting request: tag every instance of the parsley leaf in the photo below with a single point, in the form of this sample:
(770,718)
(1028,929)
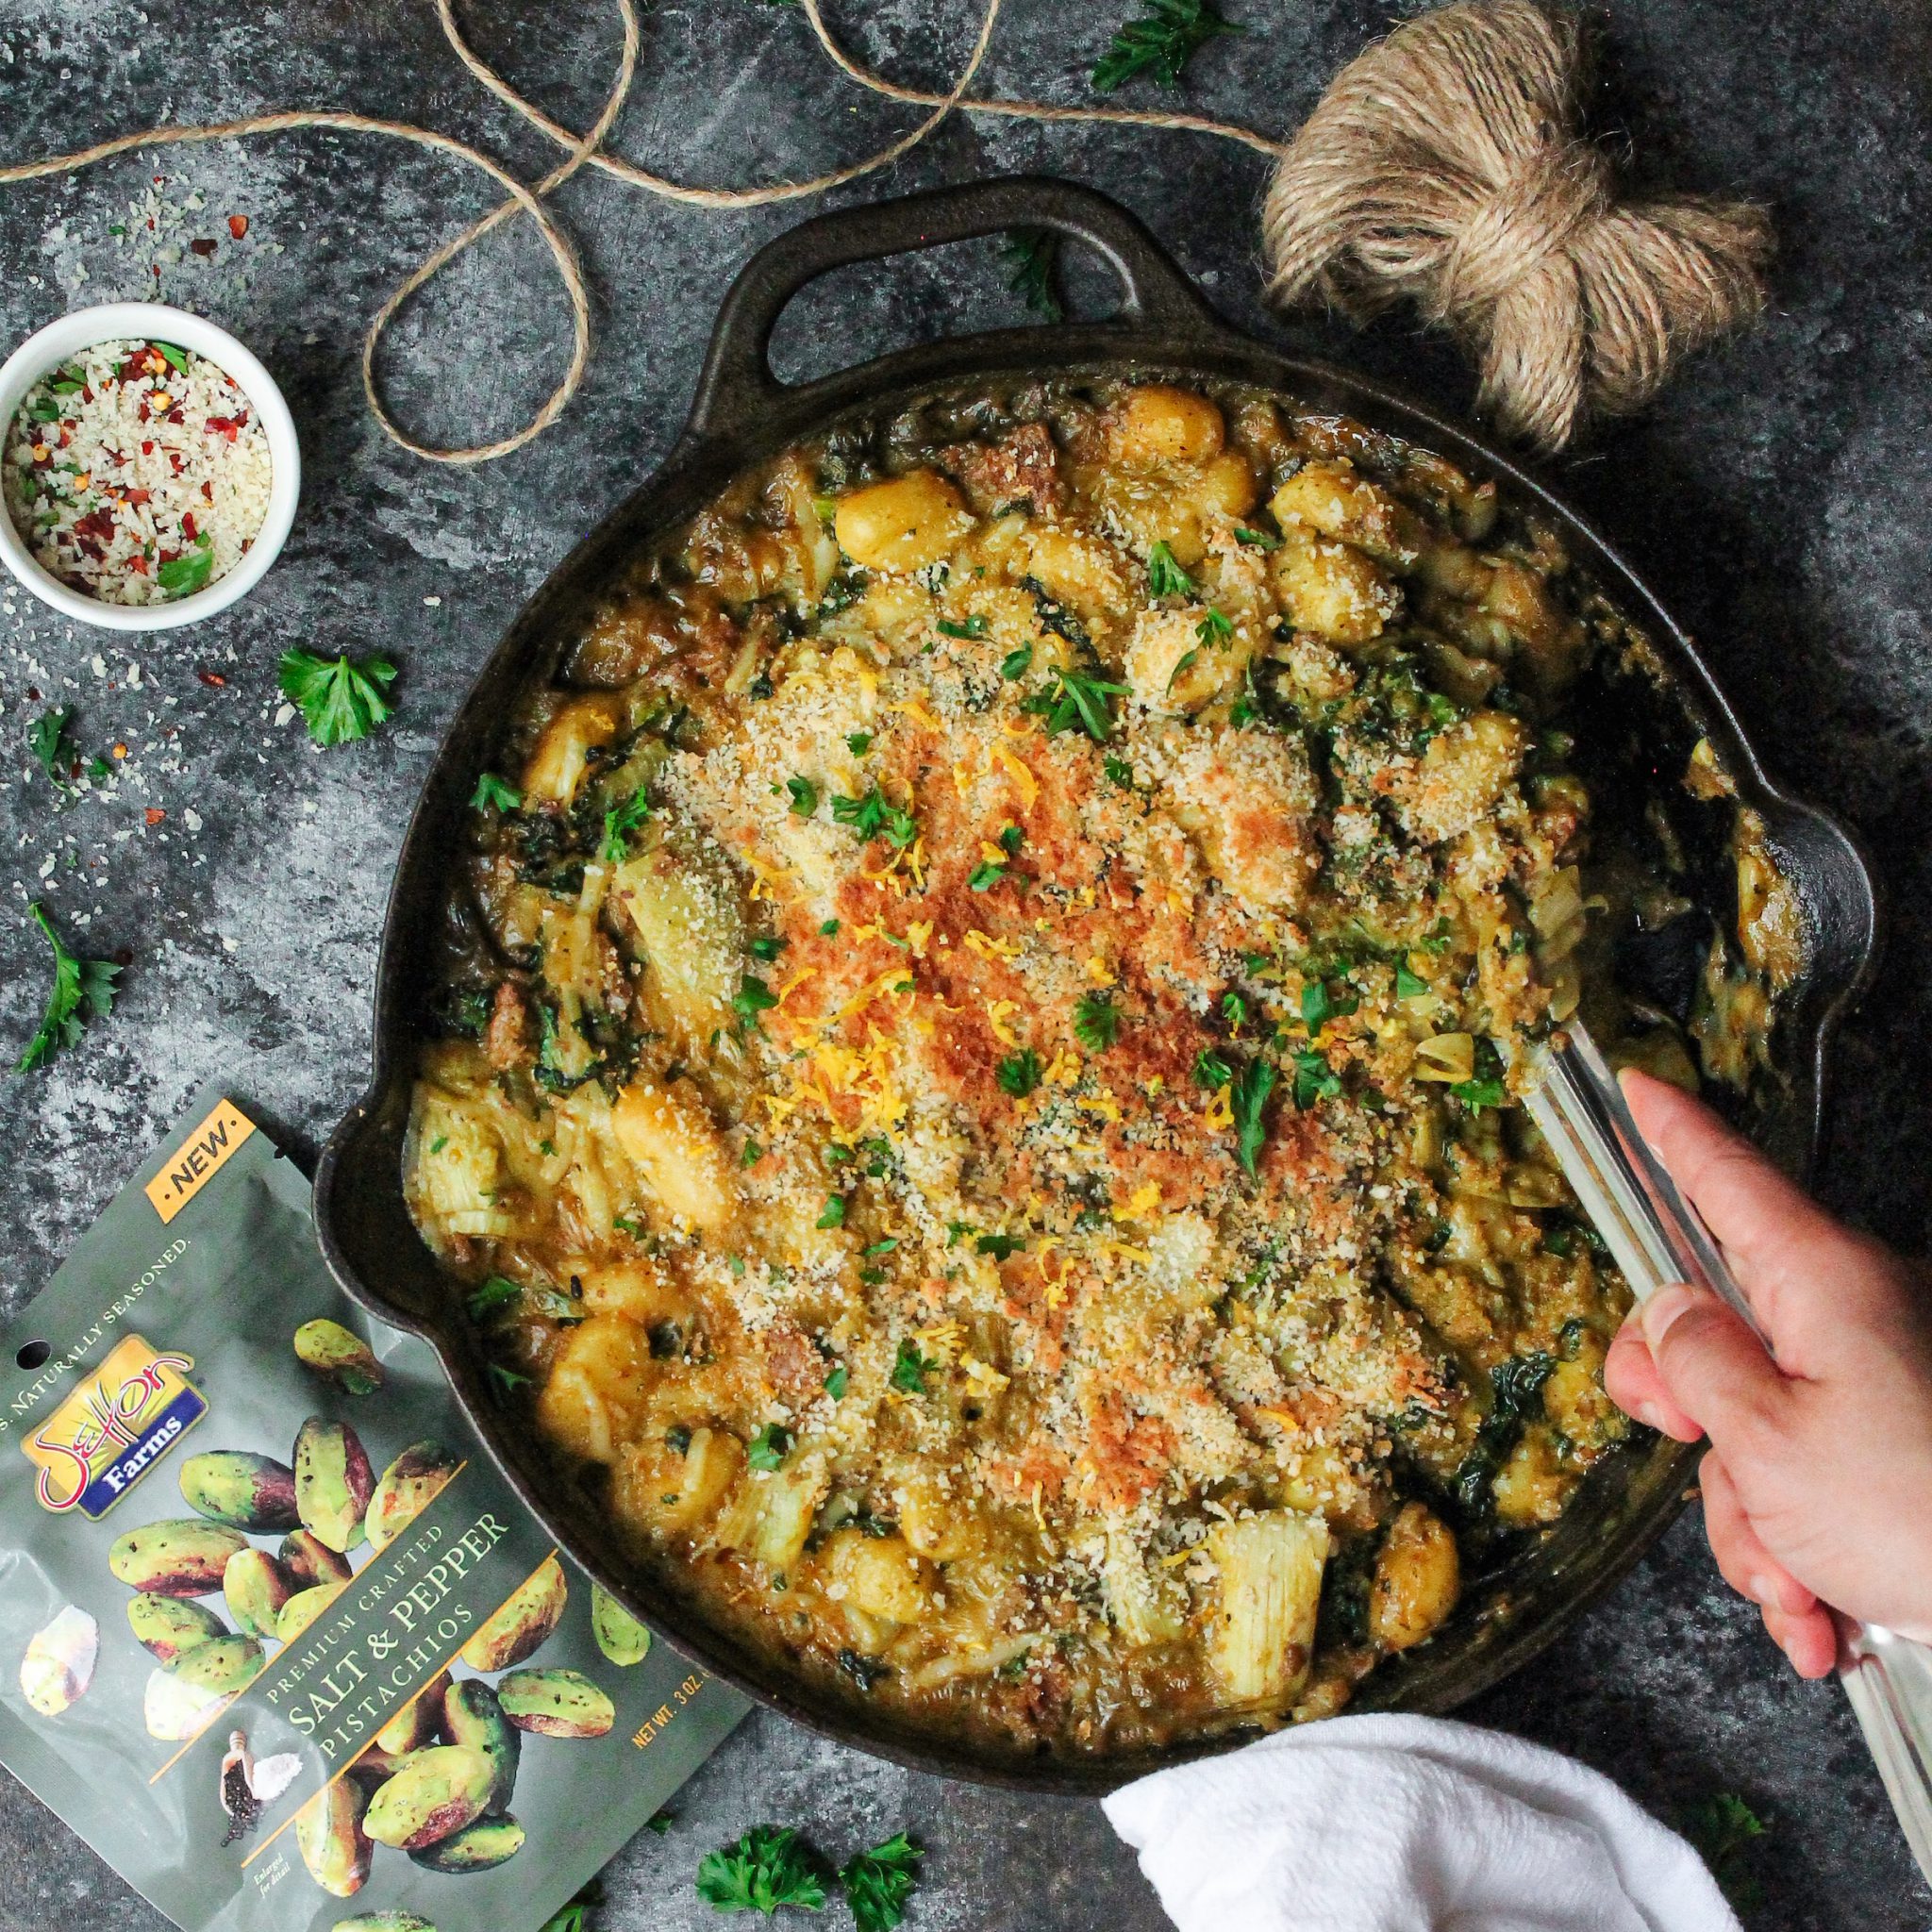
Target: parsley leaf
(828,928)
(494,794)
(805,797)
(1078,699)
(620,821)
(1248,1095)
(1017,663)
(1259,539)
(181,577)
(1018,1072)
(342,699)
(1002,1247)
(1186,657)
(871,815)
(766,949)
(1314,1079)
(571,1918)
(910,1368)
(974,626)
(503,1383)
(1318,1006)
(499,1291)
(1119,772)
(1033,256)
(1723,1828)
(1214,628)
(1096,1022)
(1211,1070)
(1477,1094)
(1012,837)
(47,739)
(769,1448)
(986,874)
(834,1215)
(836,1381)
(83,990)
(877,1883)
(858,742)
(767,1868)
(1161,43)
(1165,577)
(752,998)
(1407,986)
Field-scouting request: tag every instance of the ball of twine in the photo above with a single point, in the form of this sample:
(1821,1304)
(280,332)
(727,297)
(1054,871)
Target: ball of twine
(1443,166)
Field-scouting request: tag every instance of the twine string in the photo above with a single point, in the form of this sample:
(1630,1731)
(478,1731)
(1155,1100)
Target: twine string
(587,150)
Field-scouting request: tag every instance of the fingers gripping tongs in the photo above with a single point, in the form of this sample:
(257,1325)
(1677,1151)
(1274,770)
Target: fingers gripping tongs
(1657,1238)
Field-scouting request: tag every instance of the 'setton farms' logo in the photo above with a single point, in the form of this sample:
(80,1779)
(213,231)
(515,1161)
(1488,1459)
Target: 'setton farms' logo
(113,1428)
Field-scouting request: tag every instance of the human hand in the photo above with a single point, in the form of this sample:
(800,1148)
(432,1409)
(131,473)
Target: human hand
(1817,1481)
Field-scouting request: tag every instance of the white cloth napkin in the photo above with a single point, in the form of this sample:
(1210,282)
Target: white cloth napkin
(1408,1825)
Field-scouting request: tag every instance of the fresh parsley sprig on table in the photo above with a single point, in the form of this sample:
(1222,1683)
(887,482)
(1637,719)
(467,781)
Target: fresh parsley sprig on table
(877,1883)
(52,745)
(1161,43)
(767,1868)
(341,699)
(1033,256)
(83,990)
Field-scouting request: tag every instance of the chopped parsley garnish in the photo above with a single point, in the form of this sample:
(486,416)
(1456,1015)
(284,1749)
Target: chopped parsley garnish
(1314,1079)
(1259,539)
(494,794)
(1119,772)
(1214,630)
(858,742)
(828,928)
(1477,1094)
(1318,1006)
(1032,255)
(1165,577)
(1002,1247)
(882,1246)
(1248,1094)
(181,577)
(986,874)
(47,739)
(1018,1072)
(769,1448)
(1096,1022)
(877,1883)
(1161,43)
(1186,657)
(834,1214)
(752,998)
(1725,1829)
(1077,699)
(804,796)
(620,821)
(571,1918)
(1211,1070)
(1236,1010)
(1437,939)
(497,1291)
(1017,663)
(83,990)
(767,1868)
(871,815)
(751,1157)
(506,1382)
(1407,986)
(910,1368)
(974,626)
(838,1381)
(1012,837)
(765,949)
(341,699)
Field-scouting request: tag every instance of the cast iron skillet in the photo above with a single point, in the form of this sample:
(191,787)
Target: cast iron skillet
(742,414)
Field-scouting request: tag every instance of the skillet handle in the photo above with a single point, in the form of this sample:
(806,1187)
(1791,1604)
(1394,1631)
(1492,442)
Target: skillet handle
(738,385)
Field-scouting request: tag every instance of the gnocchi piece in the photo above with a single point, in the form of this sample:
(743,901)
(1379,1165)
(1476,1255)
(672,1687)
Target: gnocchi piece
(879,1575)
(555,767)
(1270,1587)
(1418,1577)
(595,1388)
(667,1132)
(1155,426)
(674,1489)
(902,524)
(1171,668)
(1330,499)
(1462,776)
(1332,591)
(1083,571)
(1533,1485)
(1248,799)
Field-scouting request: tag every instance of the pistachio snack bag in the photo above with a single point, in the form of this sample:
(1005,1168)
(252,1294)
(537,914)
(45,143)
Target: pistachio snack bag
(275,1638)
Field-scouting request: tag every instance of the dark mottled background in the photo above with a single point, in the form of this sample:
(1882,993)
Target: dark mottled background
(1778,496)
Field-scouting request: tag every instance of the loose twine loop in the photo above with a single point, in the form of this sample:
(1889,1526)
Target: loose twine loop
(1443,166)
(1437,166)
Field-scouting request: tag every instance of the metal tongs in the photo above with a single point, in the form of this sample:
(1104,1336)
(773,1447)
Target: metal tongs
(1657,1238)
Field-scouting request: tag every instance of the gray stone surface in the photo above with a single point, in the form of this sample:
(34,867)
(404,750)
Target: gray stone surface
(1778,495)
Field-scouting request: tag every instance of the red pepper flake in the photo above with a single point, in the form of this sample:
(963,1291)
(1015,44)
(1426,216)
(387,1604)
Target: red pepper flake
(155,814)
(136,496)
(204,247)
(146,360)
(87,394)
(142,415)
(138,565)
(237,225)
(174,414)
(207,489)
(188,525)
(213,679)
(230,427)
(147,449)
(175,458)
(99,523)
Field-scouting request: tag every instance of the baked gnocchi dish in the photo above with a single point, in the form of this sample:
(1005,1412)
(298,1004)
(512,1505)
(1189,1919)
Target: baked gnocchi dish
(965,1099)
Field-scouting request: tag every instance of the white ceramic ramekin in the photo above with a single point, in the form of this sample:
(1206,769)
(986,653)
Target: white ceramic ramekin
(114,321)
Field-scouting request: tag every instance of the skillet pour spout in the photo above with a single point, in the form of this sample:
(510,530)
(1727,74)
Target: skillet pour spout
(742,414)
